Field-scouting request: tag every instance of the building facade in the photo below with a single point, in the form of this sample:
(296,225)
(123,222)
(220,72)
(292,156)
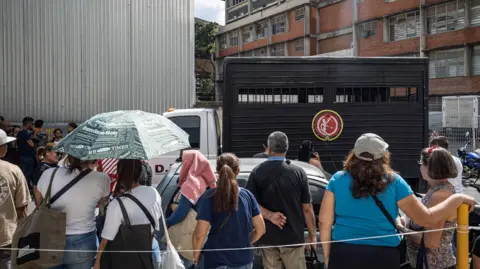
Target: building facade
(447,32)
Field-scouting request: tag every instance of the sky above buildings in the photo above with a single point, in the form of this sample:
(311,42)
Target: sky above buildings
(210,10)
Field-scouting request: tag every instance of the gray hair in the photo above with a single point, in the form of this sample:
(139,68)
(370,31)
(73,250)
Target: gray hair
(278,142)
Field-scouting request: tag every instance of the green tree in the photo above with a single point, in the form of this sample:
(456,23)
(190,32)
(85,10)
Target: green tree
(205,34)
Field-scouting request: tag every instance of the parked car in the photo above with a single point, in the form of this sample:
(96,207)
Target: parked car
(168,188)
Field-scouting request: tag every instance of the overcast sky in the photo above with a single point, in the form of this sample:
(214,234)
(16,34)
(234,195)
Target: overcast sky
(210,10)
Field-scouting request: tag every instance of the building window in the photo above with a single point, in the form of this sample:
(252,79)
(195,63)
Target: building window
(259,4)
(447,63)
(300,13)
(261,29)
(237,13)
(299,45)
(367,29)
(446,17)
(269,96)
(222,41)
(247,53)
(232,3)
(376,94)
(278,24)
(260,52)
(475,13)
(278,50)
(476,60)
(404,26)
(233,38)
(247,34)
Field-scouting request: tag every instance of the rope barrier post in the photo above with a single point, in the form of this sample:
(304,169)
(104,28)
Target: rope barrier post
(462,237)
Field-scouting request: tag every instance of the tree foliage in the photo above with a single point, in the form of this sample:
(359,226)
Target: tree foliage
(205,50)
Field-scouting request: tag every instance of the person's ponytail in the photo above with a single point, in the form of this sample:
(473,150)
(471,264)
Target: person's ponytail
(41,153)
(226,194)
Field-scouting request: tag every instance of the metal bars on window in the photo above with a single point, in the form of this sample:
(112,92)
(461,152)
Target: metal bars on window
(367,29)
(376,94)
(475,13)
(311,95)
(447,63)
(233,38)
(299,45)
(247,34)
(278,24)
(277,50)
(476,60)
(222,41)
(261,29)
(300,13)
(446,17)
(404,26)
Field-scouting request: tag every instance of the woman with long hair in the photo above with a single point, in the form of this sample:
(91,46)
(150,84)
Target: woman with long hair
(79,203)
(57,135)
(363,200)
(231,217)
(437,166)
(48,158)
(130,172)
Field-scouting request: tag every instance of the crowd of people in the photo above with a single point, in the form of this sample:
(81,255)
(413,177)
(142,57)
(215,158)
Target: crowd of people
(362,200)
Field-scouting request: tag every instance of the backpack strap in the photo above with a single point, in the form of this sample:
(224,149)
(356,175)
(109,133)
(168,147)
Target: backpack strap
(69,185)
(126,219)
(142,207)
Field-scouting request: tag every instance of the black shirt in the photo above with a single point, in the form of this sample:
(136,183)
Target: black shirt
(40,169)
(281,187)
(261,155)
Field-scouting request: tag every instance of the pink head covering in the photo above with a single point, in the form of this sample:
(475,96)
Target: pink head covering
(196,175)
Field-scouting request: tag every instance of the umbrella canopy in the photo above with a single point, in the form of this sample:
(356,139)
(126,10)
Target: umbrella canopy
(124,135)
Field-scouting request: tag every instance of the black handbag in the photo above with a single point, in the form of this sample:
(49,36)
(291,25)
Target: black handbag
(402,247)
(313,262)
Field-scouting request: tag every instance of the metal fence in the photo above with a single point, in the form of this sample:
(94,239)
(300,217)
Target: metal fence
(458,130)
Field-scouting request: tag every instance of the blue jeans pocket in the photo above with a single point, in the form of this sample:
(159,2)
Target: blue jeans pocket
(86,244)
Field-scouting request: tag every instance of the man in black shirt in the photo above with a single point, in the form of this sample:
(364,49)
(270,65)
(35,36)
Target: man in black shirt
(282,192)
(263,154)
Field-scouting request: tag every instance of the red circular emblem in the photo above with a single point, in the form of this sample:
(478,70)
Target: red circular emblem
(327,125)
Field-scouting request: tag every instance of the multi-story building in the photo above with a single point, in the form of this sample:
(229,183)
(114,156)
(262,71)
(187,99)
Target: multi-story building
(448,32)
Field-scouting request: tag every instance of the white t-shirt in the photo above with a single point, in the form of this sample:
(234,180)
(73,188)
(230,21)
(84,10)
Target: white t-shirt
(457,181)
(148,196)
(80,201)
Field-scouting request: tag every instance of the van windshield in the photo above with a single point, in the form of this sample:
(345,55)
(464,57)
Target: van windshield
(191,125)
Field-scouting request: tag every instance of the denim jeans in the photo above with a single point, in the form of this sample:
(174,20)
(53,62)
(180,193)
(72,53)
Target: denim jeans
(157,258)
(87,243)
(5,258)
(27,164)
(247,266)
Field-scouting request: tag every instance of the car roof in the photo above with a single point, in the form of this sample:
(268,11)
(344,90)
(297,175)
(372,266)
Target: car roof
(248,164)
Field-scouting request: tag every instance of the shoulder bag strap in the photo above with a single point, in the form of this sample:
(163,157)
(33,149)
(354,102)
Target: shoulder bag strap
(69,185)
(142,207)
(221,225)
(46,201)
(385,212)
(124,212)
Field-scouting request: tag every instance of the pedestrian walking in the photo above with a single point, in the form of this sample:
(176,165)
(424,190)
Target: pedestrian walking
(47,158)
(82,191)
(144,208)
(234,217)
(263,154)
(283,194)
(57,135)
(26,148)
(363,200)
(456,181)
(436,166)
(14,200)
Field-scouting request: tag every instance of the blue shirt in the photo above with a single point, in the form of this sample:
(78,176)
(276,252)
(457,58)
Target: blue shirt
(23,148)
(235,233)
(357,218)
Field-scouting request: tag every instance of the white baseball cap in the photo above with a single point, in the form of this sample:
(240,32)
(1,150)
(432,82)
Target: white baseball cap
(4,139)
(372,144)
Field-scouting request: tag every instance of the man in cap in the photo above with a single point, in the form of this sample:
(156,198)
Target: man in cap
(283,194)
(14,200)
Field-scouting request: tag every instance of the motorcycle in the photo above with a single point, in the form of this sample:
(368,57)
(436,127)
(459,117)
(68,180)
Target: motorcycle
(470,161)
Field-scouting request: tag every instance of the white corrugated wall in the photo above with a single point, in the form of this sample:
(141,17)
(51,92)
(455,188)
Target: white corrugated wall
(67,60)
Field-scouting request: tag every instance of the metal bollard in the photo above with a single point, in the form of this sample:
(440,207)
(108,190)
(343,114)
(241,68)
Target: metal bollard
(462,237)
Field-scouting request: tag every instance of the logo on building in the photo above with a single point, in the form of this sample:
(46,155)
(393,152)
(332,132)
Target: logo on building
(327,125)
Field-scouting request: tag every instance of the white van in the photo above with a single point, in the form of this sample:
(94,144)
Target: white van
(203,126)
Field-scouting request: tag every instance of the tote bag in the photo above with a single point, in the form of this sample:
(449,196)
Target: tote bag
(181,234)
(45,228)
(171,259)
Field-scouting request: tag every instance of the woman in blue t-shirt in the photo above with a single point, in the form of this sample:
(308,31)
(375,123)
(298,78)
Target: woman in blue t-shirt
(234,219)
(349,209)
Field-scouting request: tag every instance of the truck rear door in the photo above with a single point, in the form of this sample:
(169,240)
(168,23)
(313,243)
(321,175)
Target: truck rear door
(329,101)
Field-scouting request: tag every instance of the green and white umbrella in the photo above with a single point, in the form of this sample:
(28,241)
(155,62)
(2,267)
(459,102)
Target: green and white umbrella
(124,135)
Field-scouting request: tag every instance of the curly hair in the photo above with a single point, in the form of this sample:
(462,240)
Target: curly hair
(369,177)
